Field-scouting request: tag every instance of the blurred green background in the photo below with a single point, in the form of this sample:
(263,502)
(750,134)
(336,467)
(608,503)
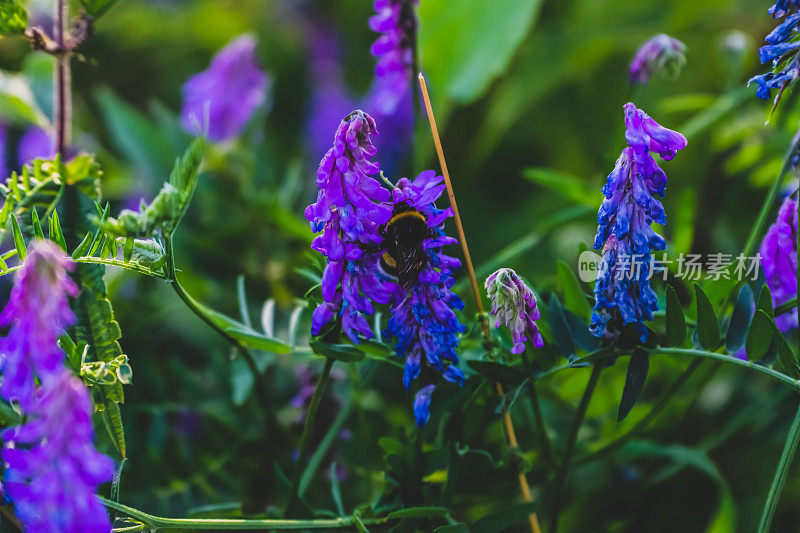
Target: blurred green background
(529,96)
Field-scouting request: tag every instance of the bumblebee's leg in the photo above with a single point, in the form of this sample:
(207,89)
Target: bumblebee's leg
(370,247)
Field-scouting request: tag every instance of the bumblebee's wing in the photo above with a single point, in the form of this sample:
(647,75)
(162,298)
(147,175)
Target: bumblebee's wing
(410,266)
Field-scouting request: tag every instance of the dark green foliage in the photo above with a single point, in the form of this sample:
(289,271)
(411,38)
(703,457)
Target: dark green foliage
(638,366)
(740,320)
(759,336)
(708,332)
(676,323)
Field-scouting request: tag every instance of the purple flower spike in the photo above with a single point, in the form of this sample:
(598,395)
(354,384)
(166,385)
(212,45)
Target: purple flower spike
(391,98)
(52,468)
(514,305)
(423,319)
(658,54)
(779,261)
(622,291)
(781,50)
(396,22)
(348,213)
(228,92)
(37,313)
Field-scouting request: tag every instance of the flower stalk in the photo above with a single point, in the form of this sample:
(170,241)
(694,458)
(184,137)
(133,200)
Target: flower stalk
(305,440)
(781,473)
(487,334)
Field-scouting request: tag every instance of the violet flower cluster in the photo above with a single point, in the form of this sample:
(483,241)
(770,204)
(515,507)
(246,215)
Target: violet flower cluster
(781,50)
(228,93)
(658,54)
(779,261)
(52,468)
(423,319)
(622,292)
(514,305)
(391,98)
(348,212)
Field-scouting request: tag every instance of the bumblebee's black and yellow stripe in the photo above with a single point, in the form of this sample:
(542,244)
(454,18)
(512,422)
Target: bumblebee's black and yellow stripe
(404,257)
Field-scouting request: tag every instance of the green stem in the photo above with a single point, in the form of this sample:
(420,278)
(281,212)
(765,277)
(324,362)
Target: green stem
(199,310)
(541,423)
(792,441)
(766,207)
(785,308)
(561,476)
(645,421)
(783,378)
(324,447)
(305,441)
(157,522)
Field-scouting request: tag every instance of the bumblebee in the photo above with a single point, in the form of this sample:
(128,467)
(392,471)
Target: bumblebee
(403,256)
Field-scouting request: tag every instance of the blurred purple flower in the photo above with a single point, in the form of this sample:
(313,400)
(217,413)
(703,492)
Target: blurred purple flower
(228,93)
(52,467)
(514,304)
(348,213)
(781,51)
(330,100)
(35,143)
(423,318)
(391,98)
(779,261)
(37,313)
(658,54)
(396,22)
(622,292)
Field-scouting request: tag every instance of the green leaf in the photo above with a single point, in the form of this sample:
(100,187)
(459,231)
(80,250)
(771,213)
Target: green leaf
(97,327)
(502,520)
(574,298)
(676,322)
(112,419)
(143,143)
(497,372)
(257,341)
(341,352)
(708,332)
(97,7)
(765,301)
(128,250)
(638,366)
(19,242)
(559,327)
(581,334)
(466,44)
(37,226)
(759,335)
(56,233)
(13,17)
(454,528)
(418,512)
(740,320)
(573,188)
(242,380)
(787,357)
